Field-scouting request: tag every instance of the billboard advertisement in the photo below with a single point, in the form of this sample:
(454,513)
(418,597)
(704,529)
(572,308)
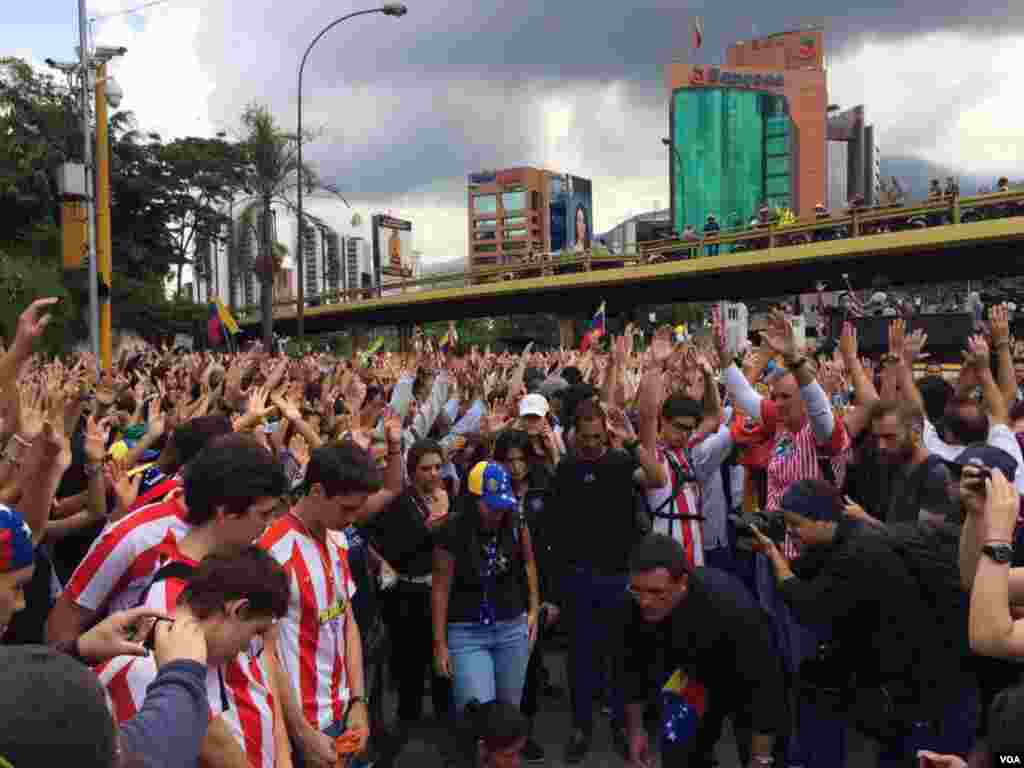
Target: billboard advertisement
(571,210)
(392,247)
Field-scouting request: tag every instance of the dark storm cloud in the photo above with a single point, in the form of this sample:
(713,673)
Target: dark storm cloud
(465,79)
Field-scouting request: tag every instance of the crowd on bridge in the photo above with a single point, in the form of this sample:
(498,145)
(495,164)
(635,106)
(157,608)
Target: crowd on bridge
(226,559)
(717,225)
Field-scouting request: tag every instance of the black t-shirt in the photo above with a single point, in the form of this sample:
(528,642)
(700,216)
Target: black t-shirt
(400,535)
(719,637)
(912,490)
(470,546)
(592,516)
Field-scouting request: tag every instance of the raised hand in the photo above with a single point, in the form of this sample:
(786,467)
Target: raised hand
(97,431)
(999,324)
(898,338)
(32,323)
(849,346)
(914,346)
(977,354)
(780,336)
(33,412)
(125,487)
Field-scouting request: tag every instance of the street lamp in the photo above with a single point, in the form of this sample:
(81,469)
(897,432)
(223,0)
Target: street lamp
(389,9)
(679,161)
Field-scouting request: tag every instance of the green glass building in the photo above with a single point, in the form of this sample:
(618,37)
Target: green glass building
(734,149)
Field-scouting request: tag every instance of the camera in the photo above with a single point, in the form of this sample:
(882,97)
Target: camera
(770,525)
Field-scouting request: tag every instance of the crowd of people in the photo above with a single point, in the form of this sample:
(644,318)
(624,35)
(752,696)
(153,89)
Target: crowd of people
(225,559)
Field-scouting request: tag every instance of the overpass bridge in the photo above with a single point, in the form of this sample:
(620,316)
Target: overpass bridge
(775,260)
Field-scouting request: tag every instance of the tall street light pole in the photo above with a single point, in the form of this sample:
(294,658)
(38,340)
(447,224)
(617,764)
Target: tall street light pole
(390,9)
(107,90)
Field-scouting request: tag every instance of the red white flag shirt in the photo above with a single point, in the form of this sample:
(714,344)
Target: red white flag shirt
(119,564)
(686,500)
(238,691)
(311,637)
(795,458)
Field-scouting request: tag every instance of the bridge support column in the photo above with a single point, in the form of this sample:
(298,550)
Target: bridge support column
(405,339)
(360,338)
(567,332)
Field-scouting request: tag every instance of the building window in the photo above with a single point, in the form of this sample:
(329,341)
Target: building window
(514,221)
(513,201)
(484,234)
(485,203)
(535,200)
(516,246)
(485,249)
(510,233)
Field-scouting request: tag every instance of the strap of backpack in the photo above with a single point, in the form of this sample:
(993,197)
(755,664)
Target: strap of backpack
(173,570)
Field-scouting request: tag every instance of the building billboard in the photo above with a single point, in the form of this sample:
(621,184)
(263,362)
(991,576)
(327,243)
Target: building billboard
(571,212)
(392,247)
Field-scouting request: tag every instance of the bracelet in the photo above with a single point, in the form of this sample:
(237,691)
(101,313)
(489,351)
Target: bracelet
(762,760)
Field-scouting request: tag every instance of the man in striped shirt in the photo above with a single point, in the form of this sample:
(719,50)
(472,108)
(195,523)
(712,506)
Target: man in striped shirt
(235,599)
(808,443)
(120,562)
(318,644)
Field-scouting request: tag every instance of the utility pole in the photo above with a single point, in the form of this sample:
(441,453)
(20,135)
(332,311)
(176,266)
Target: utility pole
(86,68)
(103,239)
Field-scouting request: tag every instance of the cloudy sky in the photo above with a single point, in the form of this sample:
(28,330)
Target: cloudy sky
(407,107)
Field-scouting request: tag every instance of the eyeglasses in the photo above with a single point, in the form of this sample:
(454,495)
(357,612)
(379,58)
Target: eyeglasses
(653,594)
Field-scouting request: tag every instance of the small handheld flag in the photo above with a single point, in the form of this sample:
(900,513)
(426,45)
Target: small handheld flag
(596,329)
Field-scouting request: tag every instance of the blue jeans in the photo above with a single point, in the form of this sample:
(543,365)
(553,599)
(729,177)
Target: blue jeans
(334,730)
(591,599)
(954,734)
(488,662)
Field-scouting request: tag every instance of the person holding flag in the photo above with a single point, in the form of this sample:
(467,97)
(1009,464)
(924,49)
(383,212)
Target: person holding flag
(596,329)
(450,339)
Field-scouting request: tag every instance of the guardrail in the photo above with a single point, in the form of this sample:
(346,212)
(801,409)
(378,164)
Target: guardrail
(854,223)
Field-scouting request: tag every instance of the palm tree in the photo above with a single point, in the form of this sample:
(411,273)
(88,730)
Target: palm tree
(273,165)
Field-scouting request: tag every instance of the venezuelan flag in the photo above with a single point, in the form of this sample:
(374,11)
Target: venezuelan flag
(227,320)
(214,327)
(448,341)
(596,330)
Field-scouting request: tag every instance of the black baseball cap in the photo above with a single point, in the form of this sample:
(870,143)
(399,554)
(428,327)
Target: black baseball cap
(985,456)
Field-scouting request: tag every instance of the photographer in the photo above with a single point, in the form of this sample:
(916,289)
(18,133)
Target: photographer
(885,675)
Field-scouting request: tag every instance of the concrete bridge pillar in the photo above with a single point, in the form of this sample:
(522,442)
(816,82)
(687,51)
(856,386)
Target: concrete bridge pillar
(360,339)
(567,332)
(405,338)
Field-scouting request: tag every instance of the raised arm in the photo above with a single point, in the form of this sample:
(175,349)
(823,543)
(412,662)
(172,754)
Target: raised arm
(999,322)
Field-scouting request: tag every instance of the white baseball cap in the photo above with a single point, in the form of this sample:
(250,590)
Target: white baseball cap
(534,405)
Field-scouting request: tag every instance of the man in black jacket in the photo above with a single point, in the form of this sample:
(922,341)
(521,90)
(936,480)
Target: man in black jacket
(699,638)
(885,669)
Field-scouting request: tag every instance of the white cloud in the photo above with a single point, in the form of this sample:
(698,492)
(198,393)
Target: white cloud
(164,81)
(946,97)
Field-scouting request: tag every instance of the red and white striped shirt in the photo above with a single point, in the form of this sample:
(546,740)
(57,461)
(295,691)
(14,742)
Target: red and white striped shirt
(120,563)
(311,637)
(241,696)
(795,458)
(237,693)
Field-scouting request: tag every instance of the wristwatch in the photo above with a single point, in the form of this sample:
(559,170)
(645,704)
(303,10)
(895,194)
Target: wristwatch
(1000,552)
